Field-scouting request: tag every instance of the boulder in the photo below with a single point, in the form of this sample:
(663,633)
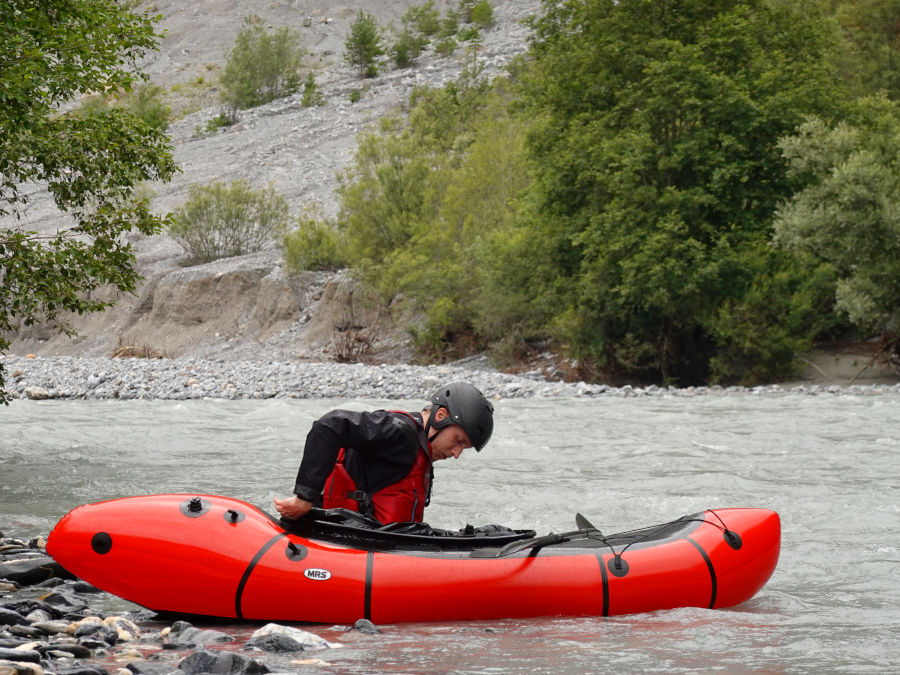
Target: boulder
(224,663)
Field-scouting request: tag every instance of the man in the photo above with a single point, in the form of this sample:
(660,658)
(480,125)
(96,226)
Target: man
(380,463)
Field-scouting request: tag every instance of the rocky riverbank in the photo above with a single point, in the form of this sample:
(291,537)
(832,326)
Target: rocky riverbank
(64,377)
(50,623)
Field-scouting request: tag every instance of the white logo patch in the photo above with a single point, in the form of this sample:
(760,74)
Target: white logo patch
(316,574)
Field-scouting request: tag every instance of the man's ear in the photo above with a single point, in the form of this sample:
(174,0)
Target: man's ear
(440,414)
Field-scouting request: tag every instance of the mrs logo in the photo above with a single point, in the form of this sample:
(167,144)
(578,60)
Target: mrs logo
(317,574)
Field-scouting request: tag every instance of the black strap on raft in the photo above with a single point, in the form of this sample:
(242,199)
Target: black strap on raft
(362,498)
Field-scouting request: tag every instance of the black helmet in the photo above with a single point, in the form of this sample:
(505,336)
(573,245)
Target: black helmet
(468,408)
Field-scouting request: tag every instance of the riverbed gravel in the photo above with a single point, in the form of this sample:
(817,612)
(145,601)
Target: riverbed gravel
(66,377)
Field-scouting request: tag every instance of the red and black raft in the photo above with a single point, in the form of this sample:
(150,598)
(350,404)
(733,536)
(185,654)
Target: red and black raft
(221,557)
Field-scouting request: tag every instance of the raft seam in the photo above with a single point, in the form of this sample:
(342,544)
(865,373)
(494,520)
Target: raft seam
(604,577)
(712,571)
(367,603)
(247,572)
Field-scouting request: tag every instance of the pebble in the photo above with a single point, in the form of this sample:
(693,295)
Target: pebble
(95,378)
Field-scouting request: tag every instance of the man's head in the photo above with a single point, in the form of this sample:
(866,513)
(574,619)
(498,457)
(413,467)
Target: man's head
(461,406)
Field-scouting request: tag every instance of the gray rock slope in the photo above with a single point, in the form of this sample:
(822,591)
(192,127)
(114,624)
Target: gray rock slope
(246,307)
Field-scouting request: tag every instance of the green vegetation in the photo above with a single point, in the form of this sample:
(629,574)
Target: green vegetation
(314,244)
(263,65)
(848,215)
(312,94)
(684,195)
(91,162)
(220,221)
(364,45)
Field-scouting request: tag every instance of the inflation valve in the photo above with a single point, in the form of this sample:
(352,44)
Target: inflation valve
(194,507)
(233,516)
(295,552)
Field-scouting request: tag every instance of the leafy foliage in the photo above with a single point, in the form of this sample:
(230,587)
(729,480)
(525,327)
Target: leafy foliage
(314,244)
(220,221)
(658,168)
(91,163)
(849,213)
(869,53)
(262,65)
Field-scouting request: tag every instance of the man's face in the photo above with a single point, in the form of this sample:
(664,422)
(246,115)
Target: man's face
(450,442)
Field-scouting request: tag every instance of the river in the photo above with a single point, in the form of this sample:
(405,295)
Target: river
(829,464)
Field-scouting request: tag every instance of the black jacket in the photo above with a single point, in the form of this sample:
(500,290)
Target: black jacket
(381,449)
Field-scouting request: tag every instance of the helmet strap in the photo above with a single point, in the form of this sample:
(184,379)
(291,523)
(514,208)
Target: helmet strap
(438,425)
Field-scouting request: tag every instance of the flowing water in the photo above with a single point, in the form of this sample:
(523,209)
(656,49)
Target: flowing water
(829,464)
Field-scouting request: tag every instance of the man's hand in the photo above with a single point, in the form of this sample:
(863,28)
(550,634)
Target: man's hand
(293,507)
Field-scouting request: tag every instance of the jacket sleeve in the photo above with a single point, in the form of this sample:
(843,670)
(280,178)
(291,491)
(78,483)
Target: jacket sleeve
(378,433)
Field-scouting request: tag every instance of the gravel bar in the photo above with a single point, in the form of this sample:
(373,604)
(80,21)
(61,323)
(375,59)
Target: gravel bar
(67,377)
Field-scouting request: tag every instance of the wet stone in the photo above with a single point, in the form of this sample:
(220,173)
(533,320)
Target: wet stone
(27,632)
(185,634)
(20,668)
(366,627)
(30,655)
(275,643)
(64,602)
(52,627)
(9,642)
(83,670)
(10,617)
(151,668)
(227,663)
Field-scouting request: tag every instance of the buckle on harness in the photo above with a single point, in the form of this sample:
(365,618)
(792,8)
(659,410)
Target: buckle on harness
(362,498)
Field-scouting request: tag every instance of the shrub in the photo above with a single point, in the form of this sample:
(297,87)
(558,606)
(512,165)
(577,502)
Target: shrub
(468,33)
(363,45)
(146,103)
(312,94)
(423,19)
(220,221)
(263,65)
(446,46)
(407,48)
(315,244)
(482,14)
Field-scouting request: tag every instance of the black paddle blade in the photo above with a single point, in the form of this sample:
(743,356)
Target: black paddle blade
(583,523)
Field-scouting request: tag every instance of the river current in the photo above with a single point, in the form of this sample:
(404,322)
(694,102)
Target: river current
(829,464)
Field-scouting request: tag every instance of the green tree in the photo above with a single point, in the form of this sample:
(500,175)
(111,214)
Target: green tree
(221,221)
(849,213)
(425,198)
(869,54)
(90,163)
(262,65)
(657,166)
(363,45)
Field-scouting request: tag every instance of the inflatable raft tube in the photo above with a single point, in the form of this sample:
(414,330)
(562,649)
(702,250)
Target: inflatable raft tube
(221,557)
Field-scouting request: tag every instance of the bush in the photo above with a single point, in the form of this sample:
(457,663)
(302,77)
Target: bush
(482,14)
(315,244)
(363,45)
(146,103)
(423,19)
(446,46)
(407,48)
(220,221)
(312,95)
(263,65)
